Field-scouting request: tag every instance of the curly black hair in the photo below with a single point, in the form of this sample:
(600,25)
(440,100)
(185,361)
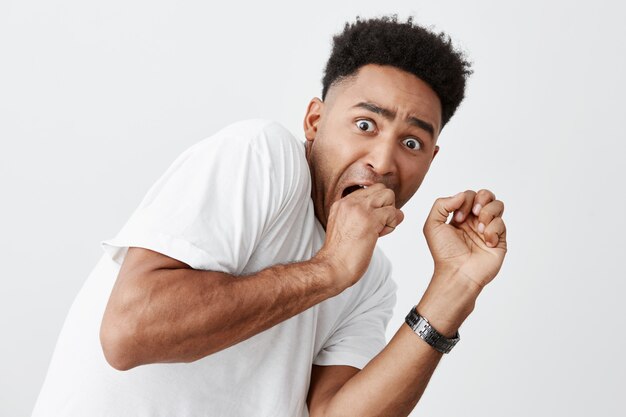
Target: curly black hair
(412,48)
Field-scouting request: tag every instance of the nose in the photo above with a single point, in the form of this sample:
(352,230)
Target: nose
(381,157)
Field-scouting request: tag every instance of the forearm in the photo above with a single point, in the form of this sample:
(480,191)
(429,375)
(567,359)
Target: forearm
(392,383)
(184,314)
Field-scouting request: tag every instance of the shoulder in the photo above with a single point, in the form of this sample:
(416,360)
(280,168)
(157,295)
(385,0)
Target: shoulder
(248,143)
(265,149)
(261,135)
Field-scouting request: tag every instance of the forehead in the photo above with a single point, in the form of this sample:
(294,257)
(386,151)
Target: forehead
(389,87)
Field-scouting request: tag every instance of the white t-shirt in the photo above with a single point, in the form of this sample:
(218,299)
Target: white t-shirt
(236,202)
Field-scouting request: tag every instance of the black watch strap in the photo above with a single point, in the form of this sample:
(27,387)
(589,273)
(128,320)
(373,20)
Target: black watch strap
(422,327)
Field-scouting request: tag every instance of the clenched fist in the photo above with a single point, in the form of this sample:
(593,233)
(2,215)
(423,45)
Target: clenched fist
(354,225)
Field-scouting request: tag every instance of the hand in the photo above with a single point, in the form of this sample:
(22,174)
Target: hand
(468,253)
(355,223)
(474,243)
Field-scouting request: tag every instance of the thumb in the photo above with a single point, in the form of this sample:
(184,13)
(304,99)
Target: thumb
(441,210)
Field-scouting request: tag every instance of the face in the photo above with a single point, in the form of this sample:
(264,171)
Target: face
(380,125)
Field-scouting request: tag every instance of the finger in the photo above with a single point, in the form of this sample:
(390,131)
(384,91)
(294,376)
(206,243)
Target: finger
(441,210)
(461,213)
(382,197)
(367,191)
(389,218)
(495,233)
(488,213)
(483,197)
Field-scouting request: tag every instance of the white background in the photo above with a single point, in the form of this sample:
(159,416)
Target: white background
(98,98)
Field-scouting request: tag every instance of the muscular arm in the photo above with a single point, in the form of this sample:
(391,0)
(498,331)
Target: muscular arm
(161,310)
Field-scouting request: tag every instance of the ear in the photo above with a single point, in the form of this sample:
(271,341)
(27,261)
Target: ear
(435,153)
(312,118)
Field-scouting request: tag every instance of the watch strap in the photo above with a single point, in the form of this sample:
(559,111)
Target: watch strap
(424,330)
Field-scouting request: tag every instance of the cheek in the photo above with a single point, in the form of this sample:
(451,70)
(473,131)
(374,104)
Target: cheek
(411,180)
(337,150)
(326,158)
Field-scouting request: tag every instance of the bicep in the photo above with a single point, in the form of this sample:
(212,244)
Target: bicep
(140,261)
(138,264)
(325,382)
(133,280)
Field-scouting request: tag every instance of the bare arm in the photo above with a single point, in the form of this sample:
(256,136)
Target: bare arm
(161,310)
(390,385)
(467,257)
(392,382)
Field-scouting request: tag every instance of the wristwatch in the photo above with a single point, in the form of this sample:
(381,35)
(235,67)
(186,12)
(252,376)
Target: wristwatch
(422,327)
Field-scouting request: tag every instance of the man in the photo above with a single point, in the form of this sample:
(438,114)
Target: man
(248,282)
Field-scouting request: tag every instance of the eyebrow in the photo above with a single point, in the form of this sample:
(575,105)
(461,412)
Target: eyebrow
(391,115)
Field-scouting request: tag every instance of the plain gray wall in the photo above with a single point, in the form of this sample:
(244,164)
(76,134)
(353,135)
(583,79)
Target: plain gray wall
(97,99)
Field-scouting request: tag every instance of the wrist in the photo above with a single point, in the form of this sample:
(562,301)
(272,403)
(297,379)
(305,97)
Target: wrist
(449,299)
(331,270)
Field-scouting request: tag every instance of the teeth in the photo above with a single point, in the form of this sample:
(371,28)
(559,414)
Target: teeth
(363,186)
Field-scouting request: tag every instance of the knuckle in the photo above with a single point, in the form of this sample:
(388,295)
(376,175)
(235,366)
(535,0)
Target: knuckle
(351,203)
(484,218)
(487,193)
(497,228)
(360,210)
(437,207)
(487,211)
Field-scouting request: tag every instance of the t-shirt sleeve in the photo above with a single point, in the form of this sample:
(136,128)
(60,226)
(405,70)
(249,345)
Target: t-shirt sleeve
(213,204)
(361,334)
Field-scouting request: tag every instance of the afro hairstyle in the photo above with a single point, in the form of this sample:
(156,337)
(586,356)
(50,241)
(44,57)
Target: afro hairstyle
(385,41)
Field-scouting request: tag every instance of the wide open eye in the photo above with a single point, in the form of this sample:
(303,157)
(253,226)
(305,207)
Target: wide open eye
(412,143)
(365,125)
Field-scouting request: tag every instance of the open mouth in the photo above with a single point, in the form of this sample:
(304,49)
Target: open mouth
(351,189)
